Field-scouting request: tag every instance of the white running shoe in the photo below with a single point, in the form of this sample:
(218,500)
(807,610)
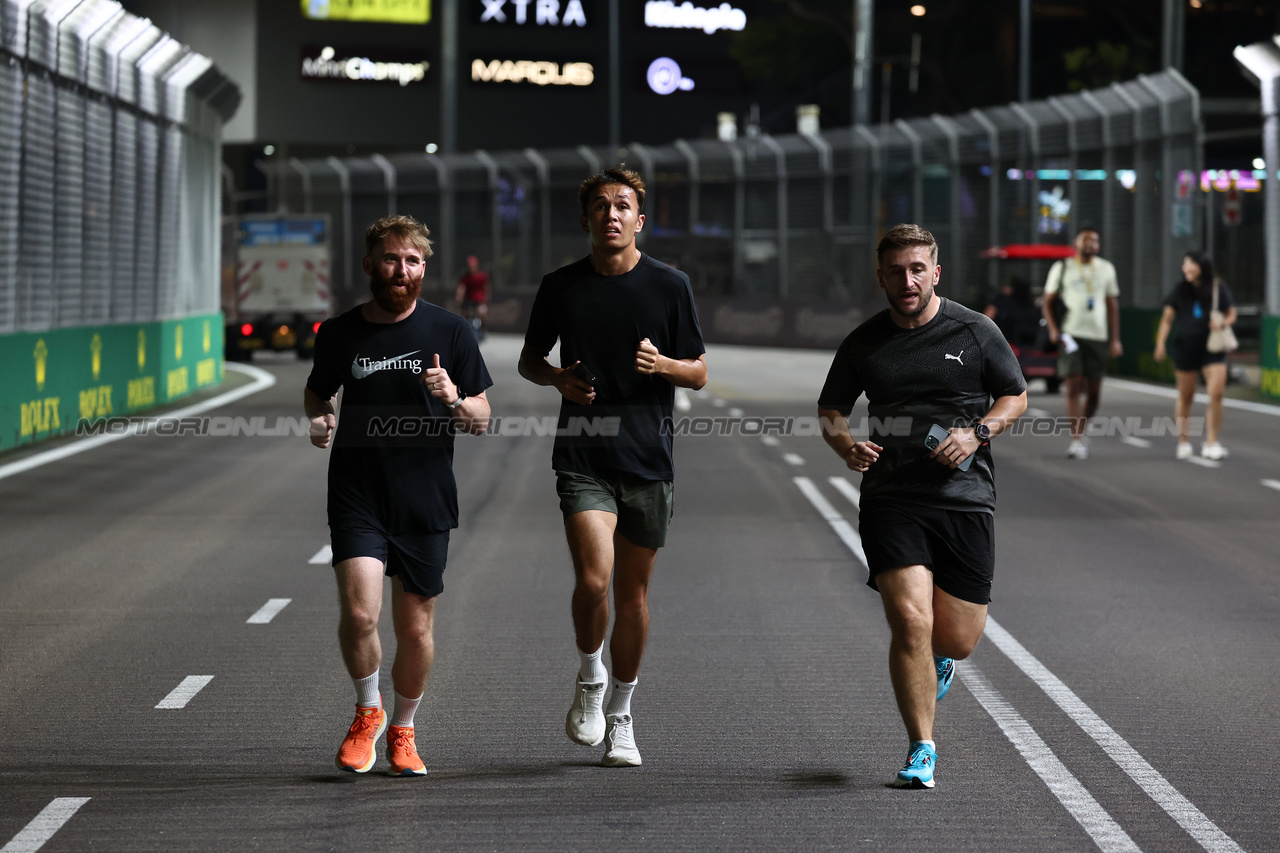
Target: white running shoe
(585,723)
(1213,451)
(1078,450)
(620,742)
(1184,450)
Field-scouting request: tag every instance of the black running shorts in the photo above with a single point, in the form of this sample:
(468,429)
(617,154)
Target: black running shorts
(958,547)
(416,558)
(1193,355)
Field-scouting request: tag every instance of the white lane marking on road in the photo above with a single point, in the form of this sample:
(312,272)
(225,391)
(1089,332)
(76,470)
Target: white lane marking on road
(793,458)
(735,413)
(1136,442)
(1178,807)
(770,440)
(268,611)
(1172,394)
(829,513)
(321,557)
(1062,783)
(1272,484)
(1038,413)
(849,490)
(262,381)
(42,827)
(719,403)
(184,692)
(1202,462)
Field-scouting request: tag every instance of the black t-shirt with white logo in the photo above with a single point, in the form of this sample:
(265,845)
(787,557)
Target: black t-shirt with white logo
(946,372)
(391,467)
(600,321)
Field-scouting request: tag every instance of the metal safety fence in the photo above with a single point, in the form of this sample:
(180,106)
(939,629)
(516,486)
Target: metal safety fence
(797,217)
(110,152)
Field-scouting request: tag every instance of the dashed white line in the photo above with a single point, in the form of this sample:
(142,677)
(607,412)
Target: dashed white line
(1136,442)
(322,557)
(735,413)
(184,692)
(1202,462)
(1178,807)
(829,513)
(42,827)
(793,458)
(268,611)
(1038,413)
(1272,484)
(1075,798)
(770,440)
(847,489)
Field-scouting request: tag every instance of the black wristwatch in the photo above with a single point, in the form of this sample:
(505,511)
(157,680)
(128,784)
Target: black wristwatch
(982,431)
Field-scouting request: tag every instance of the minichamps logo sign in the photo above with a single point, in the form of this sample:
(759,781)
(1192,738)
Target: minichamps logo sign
(328,63)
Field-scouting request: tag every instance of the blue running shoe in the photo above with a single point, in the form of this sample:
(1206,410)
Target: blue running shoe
(946,671)
(918,773)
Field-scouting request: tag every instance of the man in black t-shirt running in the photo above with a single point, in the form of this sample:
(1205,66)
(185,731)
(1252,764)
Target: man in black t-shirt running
(629,336)
(926,515)
(412,376)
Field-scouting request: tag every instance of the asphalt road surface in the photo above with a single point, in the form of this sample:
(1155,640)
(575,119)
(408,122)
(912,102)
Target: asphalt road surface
(170,678)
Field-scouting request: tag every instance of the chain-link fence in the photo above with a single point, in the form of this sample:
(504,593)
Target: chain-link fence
(110,152)
(796,218)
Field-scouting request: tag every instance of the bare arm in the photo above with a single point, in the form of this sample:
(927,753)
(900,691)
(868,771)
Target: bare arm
(472,413)
(1047,310)
(1162,333)
(857,455)
(681,372)
(321,414)
(1113,323)
(962,443)
(535,367)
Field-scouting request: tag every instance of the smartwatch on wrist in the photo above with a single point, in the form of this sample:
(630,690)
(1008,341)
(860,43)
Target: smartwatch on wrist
(462,395)
(982,432)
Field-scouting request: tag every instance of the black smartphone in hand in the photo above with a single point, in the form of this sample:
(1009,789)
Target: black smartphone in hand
(936,436)
(580,370)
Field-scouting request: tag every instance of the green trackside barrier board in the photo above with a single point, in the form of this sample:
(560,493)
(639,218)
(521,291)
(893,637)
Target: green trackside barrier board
(1269,357)
(51,380)
(1138,335)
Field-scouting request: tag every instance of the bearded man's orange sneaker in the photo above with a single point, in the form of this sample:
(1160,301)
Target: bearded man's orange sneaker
(403,753)
(358,751)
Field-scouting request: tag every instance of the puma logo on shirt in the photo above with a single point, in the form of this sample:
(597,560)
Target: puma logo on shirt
(956,356)
(362,367)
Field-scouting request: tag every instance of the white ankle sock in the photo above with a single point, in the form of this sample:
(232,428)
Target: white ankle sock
(367,695)
(405,708)
(592,669)
(620,698)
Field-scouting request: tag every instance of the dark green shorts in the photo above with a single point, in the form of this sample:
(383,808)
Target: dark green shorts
(643,507)
(1090,360)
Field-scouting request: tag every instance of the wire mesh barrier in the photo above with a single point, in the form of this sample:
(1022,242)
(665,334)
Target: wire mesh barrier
(110,151)
(793,220)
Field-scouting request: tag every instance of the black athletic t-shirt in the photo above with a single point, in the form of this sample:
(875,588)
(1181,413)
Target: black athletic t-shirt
(600,321)
(946,372)
(1193,305)
(391,467)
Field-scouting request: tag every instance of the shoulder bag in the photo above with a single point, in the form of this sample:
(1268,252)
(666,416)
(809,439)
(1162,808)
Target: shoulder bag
(1222,339)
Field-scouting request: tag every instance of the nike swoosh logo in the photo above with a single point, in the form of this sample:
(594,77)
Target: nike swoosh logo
(359,371)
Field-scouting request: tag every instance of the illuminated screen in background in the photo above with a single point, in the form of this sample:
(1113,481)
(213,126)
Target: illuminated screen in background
(381,11)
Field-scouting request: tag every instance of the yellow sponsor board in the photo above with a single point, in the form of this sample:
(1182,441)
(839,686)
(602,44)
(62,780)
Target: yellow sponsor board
(179,382)
(142,392)
(206,372)
(95,402)
(40,416)
(383,11)
(1270,381)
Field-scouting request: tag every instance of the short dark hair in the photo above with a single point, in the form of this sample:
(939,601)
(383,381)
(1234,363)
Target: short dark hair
(406,228)
(904,235)
(1088,226)
(618,174)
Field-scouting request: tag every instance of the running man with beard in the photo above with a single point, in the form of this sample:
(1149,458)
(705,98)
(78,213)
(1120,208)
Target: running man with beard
(927,526)
(412,376)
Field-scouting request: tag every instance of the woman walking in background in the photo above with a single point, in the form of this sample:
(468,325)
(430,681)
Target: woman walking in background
(1191,303)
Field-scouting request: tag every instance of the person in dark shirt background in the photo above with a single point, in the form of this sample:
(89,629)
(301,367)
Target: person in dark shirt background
(629,335)
(472,295)
(926,523)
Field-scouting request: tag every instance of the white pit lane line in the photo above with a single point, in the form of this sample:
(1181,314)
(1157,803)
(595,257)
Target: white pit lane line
(262,380)
(268,611)
(1150,780)
(322,557)
(184,692)
(43,826)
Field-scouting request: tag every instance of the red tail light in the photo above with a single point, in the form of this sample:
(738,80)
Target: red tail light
(315,327)
(246,330)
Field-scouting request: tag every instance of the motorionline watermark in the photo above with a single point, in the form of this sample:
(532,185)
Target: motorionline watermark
(520,426)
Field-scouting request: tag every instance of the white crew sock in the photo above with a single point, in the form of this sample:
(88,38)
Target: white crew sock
(620,698)
(367,695)
(928,743)
(592,670)
(405,708)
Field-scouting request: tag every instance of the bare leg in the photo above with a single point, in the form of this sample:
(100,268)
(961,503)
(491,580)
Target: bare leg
(414,618)
(590,536)
(1093,391)
(1074,388)
(1215,380)
(360,599)
(907,595)
(1186,393)
(631,599)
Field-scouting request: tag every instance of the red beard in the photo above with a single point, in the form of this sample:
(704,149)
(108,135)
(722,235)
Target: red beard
(392,300)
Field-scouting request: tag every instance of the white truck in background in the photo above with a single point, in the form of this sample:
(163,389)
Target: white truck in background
(277,290)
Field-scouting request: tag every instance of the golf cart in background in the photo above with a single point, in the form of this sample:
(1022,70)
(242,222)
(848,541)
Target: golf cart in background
(1016,309)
